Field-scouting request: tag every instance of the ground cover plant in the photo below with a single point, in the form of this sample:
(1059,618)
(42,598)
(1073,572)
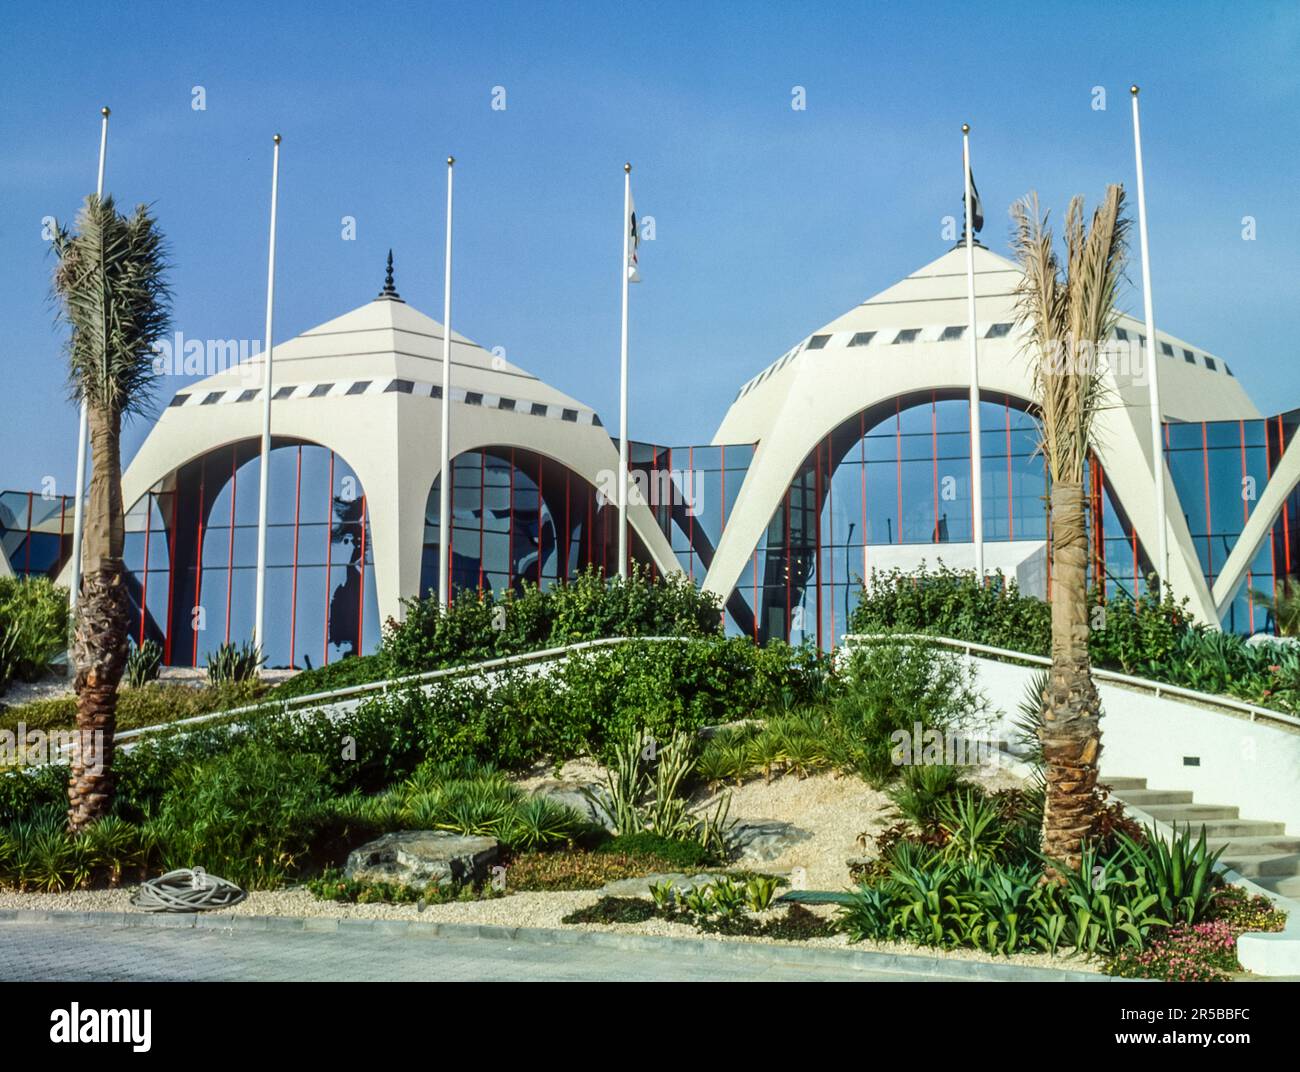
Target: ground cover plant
(729,905)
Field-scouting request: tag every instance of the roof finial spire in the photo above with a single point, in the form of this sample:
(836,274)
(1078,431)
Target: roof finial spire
(390,291)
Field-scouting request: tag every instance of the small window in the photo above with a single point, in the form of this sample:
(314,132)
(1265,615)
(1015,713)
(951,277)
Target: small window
(953,333)
(212,399)
(862,338)
(818,342)
(1209,363)
(539,409)
(570,415)
(249,395)
(595,419)
(1142,340)
(1189,357)
(473,398)
(435,390)
(1121,334)
(359,388)
(1226,369)
(401,387)
(283,392)
(907,335)
(320,390)
(1167,350)
(178,400)
(506,403)
(998,331)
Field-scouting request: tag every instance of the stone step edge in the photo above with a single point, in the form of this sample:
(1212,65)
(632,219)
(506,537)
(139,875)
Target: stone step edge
(787,953)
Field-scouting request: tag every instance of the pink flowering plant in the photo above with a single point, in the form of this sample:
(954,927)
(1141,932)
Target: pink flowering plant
(1204,952)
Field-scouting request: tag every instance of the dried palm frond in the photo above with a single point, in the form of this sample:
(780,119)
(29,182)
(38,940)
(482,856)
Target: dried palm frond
(114,295)
(1069,317)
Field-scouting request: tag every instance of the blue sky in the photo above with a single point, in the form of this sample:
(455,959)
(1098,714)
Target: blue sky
(770,221)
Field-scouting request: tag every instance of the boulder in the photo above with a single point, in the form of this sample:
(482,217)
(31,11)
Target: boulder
(419,857)
(760,840)
(640,887)
(572,795)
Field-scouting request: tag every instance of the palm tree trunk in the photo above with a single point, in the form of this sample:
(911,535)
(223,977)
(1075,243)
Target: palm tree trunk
(99,647)
(1072,709)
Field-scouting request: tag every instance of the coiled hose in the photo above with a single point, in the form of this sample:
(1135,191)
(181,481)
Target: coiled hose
(186,890)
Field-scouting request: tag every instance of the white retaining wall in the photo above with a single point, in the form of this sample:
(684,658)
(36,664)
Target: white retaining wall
(1250,764)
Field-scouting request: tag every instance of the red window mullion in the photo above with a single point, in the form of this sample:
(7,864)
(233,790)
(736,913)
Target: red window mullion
(171,575)
(361,595)
(329,558)
(230,551)
(144,585)
(198,565)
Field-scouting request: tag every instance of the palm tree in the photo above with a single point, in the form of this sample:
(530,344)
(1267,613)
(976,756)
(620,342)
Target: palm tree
(1068,316)
(1284,605)
(110,285)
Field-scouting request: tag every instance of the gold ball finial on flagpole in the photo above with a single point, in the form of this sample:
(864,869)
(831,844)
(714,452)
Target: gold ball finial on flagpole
(1133,89)
(104,111)
(451,160)
(627,169)
(276,139)
(965,128)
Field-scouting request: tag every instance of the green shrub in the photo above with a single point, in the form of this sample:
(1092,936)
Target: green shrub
(25,792)
(923,791)
(33,627)
(669,854)
(354,670)
(486,625)
(249,816)
(952,603)
(893,687)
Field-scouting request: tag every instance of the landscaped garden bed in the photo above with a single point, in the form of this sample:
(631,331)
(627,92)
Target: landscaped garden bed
(656,787)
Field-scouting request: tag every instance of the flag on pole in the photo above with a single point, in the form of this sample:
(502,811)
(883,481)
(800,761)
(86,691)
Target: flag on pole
(633,241)
(976,206)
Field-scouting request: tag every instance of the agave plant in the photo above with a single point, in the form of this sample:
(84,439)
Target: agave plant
(232,663)
(144,663)
(538,822)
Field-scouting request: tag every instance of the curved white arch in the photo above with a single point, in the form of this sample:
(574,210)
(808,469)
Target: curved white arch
(391,442)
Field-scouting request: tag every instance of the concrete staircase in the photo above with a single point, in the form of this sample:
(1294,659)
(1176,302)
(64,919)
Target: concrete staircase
(1256,848)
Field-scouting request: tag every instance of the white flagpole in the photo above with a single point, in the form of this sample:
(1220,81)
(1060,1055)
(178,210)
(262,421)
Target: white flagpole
(444,492)
(976,470)
(83,429)
(622,386)
(1157,430)
(268,350)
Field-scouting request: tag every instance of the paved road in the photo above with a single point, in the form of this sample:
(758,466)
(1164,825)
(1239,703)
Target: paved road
(73,952)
